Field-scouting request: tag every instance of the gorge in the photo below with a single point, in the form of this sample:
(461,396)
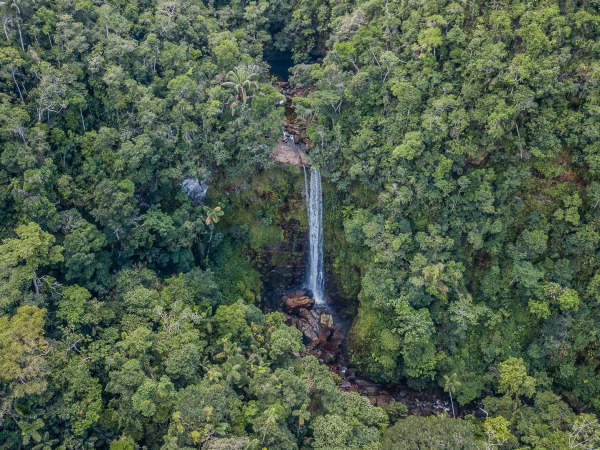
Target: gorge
(309,307)
(422,239)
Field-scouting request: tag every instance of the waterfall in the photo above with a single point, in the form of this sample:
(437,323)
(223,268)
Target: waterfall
(315,273)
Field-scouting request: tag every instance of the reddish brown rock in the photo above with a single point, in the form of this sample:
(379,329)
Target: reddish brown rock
(329,346)
(324,335)
(297,300)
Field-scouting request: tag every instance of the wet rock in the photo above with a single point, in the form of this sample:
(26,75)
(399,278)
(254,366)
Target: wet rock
(350,374)
(334,342)
(362,383)
(328,345)
(296,293)
(311,345)
(307,330)
(326,321)
(310,320)
(324,336)
(327,357)
(346,385)
(320,310)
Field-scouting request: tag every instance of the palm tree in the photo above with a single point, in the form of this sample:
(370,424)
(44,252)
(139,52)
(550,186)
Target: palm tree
(257,360)
(451,384)
(212,217)
(205,319)
(303,415)
(241,80)
(233,369)
(229,348)
(170,443)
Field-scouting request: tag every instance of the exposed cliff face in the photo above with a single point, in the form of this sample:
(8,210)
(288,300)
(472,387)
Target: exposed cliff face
(282,265)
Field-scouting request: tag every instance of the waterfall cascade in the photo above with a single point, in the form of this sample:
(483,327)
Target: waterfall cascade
(315,273)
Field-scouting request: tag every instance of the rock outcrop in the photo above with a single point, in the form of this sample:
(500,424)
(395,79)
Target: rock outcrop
(294,143)
(324,335)
(296,301)
(317,325)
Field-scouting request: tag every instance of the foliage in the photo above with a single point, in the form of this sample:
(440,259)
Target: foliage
(436,432)
(459,145)
(481,241)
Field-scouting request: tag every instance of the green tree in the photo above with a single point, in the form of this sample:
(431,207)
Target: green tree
(451,383)
(514,382)
(241,80)
(23,350)
(434,432)
(497,432)
(212,217)
(21,260)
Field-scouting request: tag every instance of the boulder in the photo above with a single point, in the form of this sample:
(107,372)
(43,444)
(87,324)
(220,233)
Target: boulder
(194,189)
(327,321)
(306,329)
(329,357)
(325,357)
(308,317)
(328,345)
(326,328)
(324,335)
(372,390)
(311,345)
(297,300)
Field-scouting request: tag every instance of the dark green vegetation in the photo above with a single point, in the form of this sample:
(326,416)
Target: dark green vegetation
(461,142)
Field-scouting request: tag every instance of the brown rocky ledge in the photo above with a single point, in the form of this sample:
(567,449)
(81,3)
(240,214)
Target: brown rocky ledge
(292,147)
(290,153)
(316,324)
(296,300)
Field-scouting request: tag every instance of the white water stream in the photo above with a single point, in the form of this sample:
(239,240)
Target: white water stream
(315,272)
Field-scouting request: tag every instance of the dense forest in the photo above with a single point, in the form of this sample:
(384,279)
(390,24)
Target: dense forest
(459,144)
